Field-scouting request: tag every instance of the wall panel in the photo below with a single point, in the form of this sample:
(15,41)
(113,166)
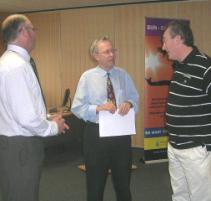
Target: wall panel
(199,14)
(2,44)
(47,54)
(79,28)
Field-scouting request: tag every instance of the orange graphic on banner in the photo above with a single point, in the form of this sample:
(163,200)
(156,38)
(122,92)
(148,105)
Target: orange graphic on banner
(158,72)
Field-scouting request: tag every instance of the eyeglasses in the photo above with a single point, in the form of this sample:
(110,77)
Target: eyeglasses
(113,51)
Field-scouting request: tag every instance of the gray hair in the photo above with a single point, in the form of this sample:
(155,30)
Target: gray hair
(181,28)
(10,27)
(94,46)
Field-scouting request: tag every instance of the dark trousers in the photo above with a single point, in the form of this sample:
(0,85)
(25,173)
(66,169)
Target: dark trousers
(21,161)
(102,154)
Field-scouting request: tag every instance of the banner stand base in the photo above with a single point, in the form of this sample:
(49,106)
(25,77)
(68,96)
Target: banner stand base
(156,161)
(153,161)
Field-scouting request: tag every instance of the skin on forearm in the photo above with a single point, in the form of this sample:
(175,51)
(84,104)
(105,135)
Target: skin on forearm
(109,106)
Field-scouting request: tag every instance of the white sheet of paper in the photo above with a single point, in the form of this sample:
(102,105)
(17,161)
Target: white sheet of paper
(115,124)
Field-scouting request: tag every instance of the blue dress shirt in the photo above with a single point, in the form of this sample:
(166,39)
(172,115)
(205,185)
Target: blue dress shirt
(92,91)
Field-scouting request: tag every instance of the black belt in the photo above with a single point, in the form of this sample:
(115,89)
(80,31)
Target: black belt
(92,123)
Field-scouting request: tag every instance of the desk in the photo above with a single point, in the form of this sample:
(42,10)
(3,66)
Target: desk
(63,113)
(72,137)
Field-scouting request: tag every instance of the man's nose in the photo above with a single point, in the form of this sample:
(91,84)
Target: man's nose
(163,46)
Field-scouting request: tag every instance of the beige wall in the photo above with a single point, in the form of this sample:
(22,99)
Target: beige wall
(2,44)
(64,37)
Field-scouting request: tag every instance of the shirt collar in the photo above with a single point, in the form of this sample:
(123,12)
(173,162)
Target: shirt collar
(104,72)
(188,58)
(191,54)
(19,50)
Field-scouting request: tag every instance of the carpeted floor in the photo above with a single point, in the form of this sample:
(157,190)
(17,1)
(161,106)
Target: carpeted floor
(62,180)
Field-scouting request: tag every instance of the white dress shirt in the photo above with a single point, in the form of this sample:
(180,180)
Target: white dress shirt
(22,110)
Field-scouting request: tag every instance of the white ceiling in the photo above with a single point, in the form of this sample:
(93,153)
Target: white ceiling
(15,6)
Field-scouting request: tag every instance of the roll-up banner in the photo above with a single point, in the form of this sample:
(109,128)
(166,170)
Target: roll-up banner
(158,72)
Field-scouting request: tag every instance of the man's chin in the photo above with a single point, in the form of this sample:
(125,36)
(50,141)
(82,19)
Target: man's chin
(111,64)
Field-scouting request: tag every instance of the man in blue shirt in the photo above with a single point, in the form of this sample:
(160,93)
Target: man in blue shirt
(102,154)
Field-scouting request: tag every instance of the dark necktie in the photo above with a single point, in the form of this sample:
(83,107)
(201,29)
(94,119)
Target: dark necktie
(110,90)
(36,73)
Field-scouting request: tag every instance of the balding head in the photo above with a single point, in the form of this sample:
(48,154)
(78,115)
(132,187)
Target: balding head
(11,26)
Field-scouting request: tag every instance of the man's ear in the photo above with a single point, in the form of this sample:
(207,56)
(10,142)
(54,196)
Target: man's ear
(179,39)
(23,31)
(96,57)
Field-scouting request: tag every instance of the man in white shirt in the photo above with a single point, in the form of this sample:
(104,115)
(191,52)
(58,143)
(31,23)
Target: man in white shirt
(23,120)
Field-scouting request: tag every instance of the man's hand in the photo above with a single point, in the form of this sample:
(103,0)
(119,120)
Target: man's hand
(109,106)
(124,108)
(61,123)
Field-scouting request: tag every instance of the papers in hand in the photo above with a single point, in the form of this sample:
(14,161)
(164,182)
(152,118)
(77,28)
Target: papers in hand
(115,124)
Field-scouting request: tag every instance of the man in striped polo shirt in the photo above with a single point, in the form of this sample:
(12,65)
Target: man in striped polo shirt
(188,116)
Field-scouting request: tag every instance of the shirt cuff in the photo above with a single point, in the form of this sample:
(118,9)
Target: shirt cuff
(54,128)
(130,103)
(92,111)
